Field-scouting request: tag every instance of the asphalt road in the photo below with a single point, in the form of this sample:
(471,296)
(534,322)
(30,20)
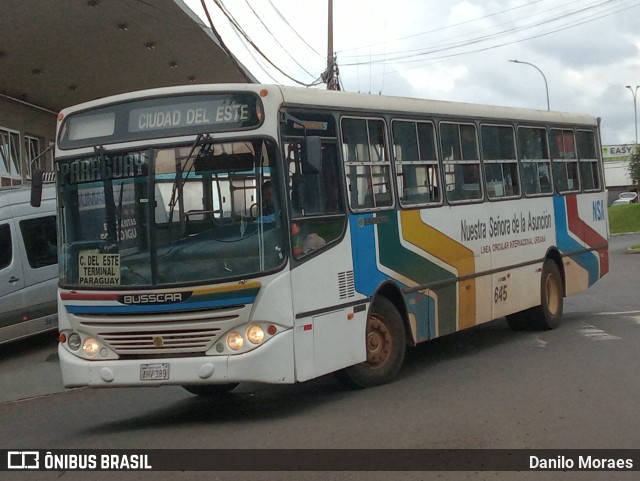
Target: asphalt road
(488,387)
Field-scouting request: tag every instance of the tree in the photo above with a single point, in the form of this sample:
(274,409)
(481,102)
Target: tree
(634,166)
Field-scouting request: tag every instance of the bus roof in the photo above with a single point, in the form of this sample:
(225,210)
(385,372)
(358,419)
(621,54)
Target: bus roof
(298,96)
(358,101)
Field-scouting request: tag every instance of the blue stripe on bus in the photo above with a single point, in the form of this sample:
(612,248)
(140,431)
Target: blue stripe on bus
(566,243)
(367,277)
(152,308)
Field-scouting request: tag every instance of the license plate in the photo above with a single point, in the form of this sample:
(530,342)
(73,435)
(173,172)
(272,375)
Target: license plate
(154,372)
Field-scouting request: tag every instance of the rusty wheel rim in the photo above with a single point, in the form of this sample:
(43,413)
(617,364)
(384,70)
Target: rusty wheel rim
(379,342)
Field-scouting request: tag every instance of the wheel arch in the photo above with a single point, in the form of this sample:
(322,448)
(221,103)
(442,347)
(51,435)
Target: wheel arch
(393,293)
(554,255)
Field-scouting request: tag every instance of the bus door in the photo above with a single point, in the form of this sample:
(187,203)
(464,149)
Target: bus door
(328,334)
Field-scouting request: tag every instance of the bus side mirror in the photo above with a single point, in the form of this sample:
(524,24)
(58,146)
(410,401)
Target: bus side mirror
(36,188)
(312,158)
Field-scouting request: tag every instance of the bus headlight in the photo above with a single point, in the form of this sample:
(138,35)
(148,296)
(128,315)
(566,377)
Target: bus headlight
(74,342)
(255,334)
(91,346)
(235,341)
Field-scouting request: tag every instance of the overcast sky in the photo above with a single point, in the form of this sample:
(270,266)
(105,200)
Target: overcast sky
(588,50)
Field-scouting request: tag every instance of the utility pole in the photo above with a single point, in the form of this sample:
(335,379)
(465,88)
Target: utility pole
(635,109)
(330,75)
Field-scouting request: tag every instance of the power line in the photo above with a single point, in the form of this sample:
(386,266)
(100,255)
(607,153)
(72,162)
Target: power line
(458,54)
(275,39)
(439,29)
(294,30)
(246,38)
(416,54)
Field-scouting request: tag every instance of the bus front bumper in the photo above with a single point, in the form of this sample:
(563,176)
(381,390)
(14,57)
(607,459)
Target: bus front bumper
(271,363)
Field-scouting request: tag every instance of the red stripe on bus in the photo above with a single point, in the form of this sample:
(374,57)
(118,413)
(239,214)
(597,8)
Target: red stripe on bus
(83,296)
(580,228)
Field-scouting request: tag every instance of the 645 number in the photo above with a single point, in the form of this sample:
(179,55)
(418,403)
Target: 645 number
(500,294)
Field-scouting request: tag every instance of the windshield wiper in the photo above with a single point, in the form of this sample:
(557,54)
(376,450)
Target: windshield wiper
(202,140)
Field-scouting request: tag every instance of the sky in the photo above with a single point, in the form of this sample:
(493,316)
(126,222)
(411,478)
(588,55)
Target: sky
(588,51)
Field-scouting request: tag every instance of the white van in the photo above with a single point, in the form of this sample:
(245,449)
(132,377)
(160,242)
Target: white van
(28,264)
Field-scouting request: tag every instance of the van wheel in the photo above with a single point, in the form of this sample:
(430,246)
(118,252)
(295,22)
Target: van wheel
(548,314)
(210,390)
(386,346)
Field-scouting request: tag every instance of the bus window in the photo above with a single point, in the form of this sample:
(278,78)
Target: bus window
(461,161)
(588,159)
(317,205)
(501,166)
(536,163)
(367,164)
(417,170)
(565,162)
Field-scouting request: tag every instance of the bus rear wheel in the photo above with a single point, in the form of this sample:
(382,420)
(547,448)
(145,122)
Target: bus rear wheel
(548,314)
(210,390)
(386,346)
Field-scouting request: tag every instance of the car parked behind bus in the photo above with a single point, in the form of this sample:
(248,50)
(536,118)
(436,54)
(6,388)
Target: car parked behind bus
(28,264)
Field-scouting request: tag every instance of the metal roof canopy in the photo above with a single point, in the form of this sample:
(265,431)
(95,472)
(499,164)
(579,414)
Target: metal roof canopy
(59,53)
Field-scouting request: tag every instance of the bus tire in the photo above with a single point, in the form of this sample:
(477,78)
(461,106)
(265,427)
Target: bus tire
(548,314)
(210,390)
(386,346)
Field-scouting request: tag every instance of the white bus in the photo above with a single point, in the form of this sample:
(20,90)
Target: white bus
(217,234)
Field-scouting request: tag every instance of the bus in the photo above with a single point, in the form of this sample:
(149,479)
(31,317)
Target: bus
(211,235)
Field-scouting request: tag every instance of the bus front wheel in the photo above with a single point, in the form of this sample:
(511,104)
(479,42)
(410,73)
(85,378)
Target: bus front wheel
(210,390)
(549,313)
(386,346)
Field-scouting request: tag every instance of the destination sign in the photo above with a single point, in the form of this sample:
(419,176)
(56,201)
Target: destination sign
(153,118)
(186,115)
(98,269)
(104,167)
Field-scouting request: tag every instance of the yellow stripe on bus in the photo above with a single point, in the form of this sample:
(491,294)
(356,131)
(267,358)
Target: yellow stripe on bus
(236,287)
(452,253)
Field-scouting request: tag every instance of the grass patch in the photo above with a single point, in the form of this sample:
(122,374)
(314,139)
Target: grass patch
(624,218)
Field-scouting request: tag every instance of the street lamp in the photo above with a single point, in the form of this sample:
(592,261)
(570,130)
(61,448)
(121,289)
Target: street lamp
(546,86)
(635,110)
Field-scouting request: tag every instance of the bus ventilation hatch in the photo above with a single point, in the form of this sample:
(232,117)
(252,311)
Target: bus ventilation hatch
(346,285)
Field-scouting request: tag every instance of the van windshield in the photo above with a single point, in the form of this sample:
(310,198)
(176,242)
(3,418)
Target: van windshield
(173,215)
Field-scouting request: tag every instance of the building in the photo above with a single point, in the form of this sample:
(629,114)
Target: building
(58,53)
(616,169)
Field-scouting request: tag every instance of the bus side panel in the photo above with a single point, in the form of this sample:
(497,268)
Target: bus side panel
(379,256)
(434,257)
(329,332)
(581,237)
(530,236)
(402,247)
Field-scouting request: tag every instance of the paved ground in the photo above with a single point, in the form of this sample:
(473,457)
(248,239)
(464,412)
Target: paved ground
(29,368)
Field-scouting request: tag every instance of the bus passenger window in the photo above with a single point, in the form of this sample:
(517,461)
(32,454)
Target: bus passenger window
(588,158)
(367,164)
(461,161)
(501,166)
(535,160)
(417,169)
(565,162)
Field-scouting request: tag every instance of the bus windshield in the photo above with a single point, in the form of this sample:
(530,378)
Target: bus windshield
(173,215)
